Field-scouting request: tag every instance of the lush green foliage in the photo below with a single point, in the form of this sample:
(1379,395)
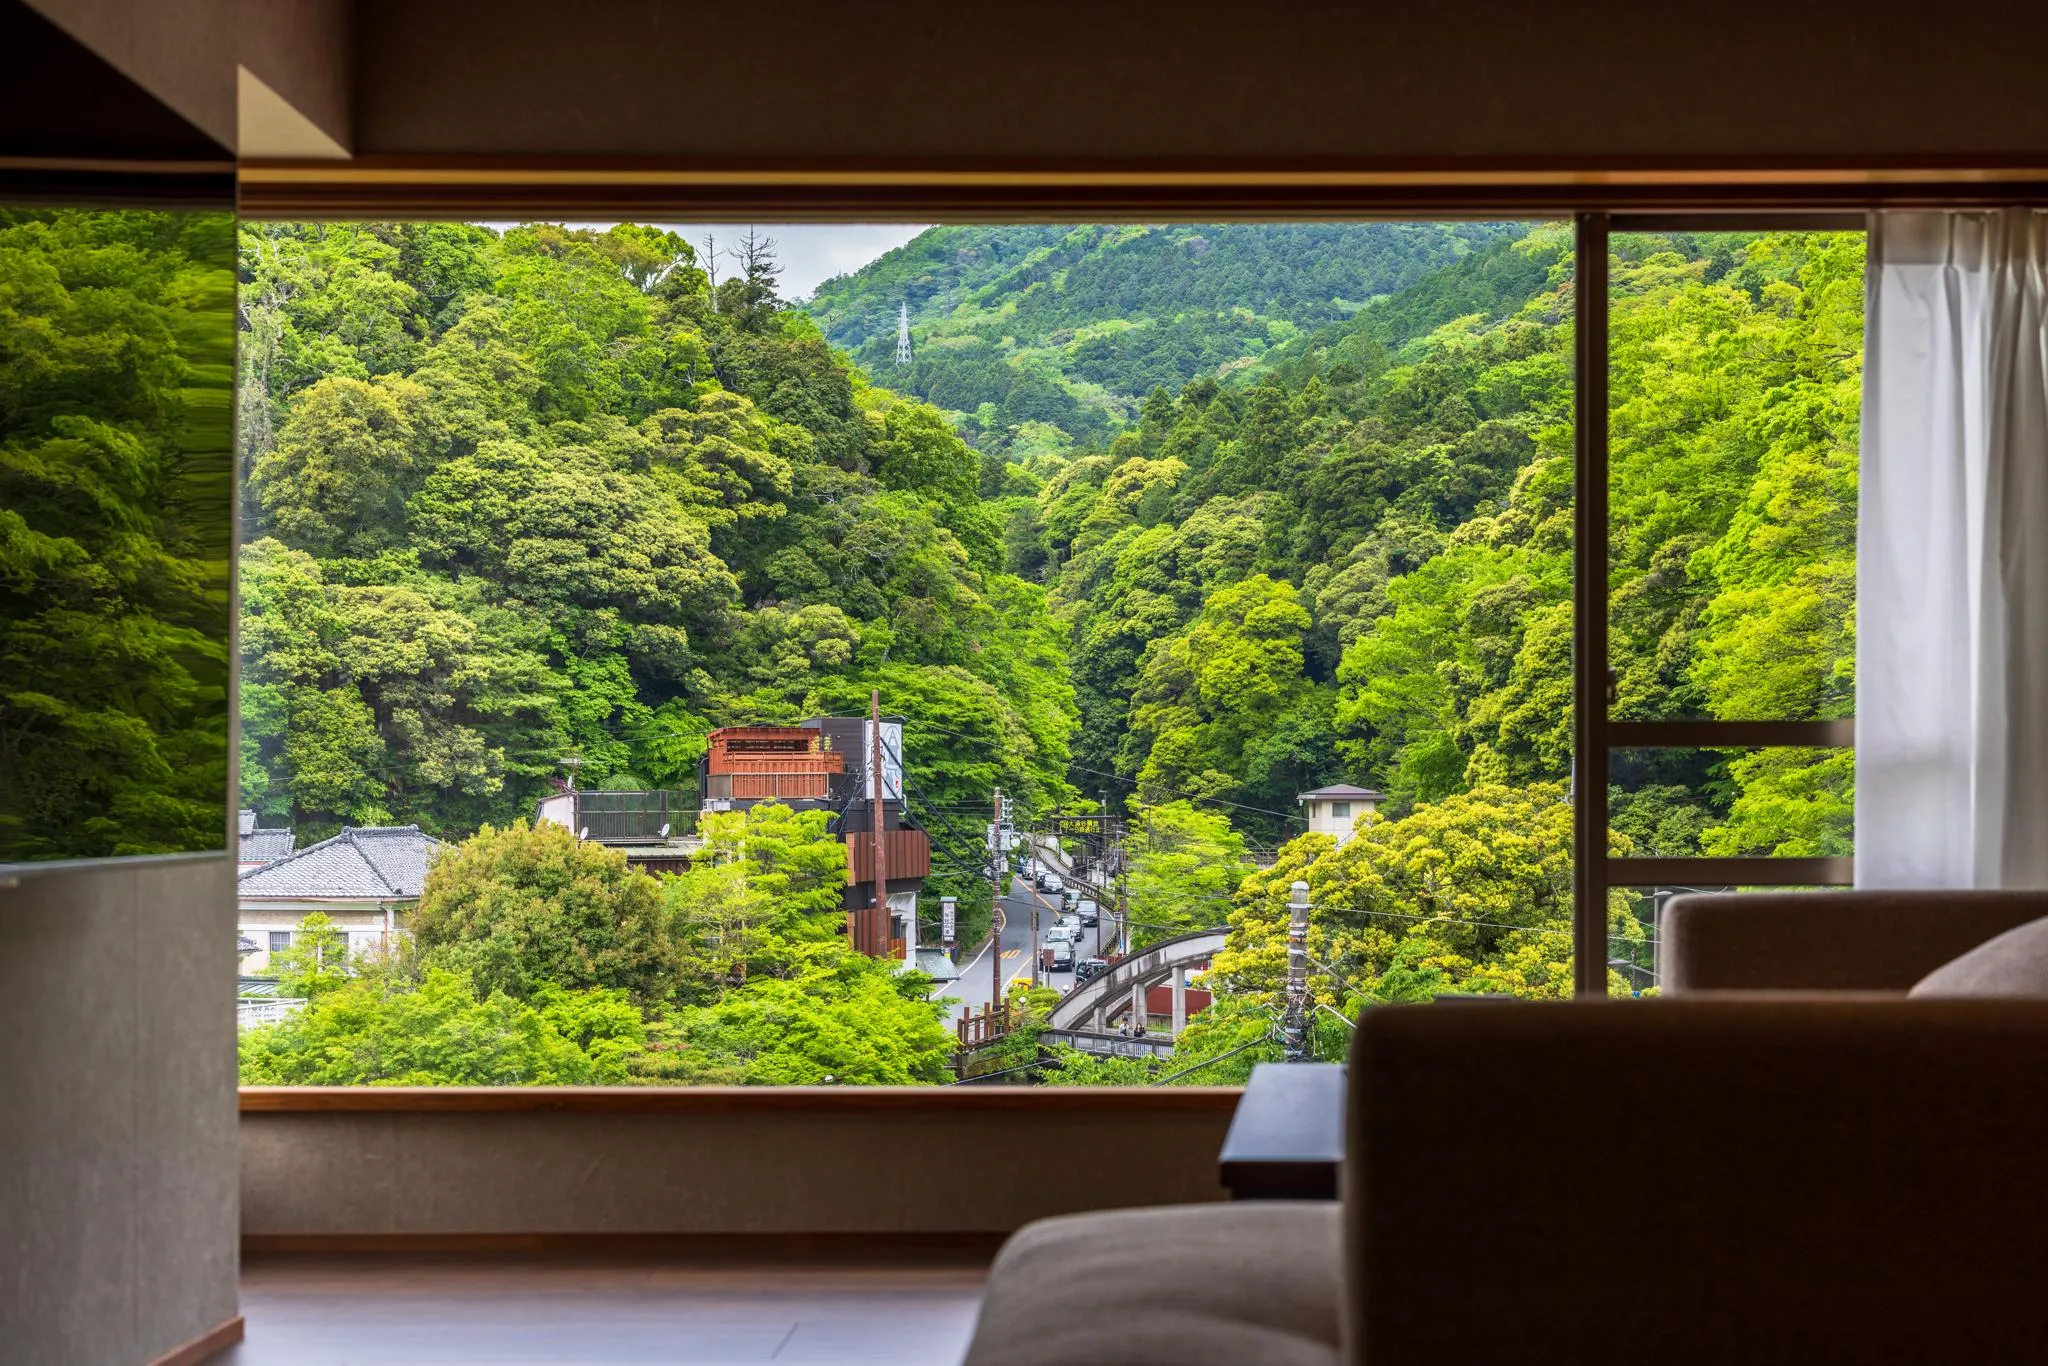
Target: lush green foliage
(1217,533)
(116,363)
(524,907)
(1185,865)
(1039,337)
(1353,559)
(515,496)
(537,959)
(1471,893)
(382,1028)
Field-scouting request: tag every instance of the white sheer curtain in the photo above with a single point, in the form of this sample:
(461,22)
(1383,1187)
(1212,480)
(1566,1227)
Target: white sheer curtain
(1952,554)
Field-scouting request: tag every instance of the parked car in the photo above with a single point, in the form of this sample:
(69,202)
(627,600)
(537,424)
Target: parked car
(1090,967)
(1090,914)
(1057,957)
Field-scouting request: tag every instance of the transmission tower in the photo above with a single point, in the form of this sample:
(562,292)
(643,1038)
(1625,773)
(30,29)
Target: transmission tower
(903,333)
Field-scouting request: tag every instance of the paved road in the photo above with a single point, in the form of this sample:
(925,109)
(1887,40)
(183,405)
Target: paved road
(976,979)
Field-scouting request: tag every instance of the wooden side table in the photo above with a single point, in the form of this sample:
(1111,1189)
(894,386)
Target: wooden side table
(1286,1141)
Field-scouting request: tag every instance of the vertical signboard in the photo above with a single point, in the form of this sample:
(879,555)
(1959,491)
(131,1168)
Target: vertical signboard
(892,760)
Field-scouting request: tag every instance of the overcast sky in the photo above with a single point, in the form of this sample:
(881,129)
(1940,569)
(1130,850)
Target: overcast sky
(811,253)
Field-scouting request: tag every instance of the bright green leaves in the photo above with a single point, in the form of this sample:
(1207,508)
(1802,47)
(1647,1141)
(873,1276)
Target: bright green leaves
(365,703)
(1185,865)
(381,1029)
(721,459)
(523,908)
(344,465)
(115,531)
(1471,893)
(1204,697)
(918,450)
(678,514)
(317,961)
(572,536)
(544,960)
(765,892)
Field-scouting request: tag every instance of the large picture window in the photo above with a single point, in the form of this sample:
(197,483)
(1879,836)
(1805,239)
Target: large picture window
(868,655)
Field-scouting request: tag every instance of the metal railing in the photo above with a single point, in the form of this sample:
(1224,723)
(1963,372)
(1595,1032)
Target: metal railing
(265,1010)
(632,817)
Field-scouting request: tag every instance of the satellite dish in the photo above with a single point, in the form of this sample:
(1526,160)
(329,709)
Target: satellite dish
(584,833)
(664,832)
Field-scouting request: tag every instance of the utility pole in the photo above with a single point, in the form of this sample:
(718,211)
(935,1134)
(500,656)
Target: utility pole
(1294,1022)
(878,921)
(995,911)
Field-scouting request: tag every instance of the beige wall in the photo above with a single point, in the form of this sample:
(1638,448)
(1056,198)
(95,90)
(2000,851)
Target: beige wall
(1485,82)
(117,1111)
(806,1169)
(185,52)
(1353,80)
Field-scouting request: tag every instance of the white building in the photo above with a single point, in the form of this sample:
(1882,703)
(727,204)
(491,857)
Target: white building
(361,878)
(1334,810)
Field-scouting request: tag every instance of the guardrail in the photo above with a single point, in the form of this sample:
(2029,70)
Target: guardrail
(1111,1045)
(251,1011)
(1093,1001)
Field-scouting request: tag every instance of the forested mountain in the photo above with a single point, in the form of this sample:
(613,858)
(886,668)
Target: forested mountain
(1038,337)
(514,497)
(1359,565)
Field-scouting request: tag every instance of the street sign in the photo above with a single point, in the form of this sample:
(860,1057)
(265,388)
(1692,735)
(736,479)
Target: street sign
(947,909)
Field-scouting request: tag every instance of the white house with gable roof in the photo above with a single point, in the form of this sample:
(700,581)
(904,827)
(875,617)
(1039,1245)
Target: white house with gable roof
(362,878)
(1334,810)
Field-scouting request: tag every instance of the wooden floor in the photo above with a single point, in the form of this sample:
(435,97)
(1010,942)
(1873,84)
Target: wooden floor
(406,1311)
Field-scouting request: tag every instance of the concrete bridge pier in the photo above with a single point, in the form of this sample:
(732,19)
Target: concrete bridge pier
(1180,1001)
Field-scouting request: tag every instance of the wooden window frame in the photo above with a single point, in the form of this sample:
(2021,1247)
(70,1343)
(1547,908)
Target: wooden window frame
(1596,736)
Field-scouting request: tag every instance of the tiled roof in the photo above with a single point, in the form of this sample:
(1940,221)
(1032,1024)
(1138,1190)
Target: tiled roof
(1341,790)
(375,863)
(265,846)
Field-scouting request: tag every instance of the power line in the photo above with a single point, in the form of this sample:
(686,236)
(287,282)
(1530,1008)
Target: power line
(1189,796)
(1211,1062)
(1133,782)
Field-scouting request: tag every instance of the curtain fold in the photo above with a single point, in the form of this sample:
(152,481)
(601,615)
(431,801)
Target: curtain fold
(1952,554)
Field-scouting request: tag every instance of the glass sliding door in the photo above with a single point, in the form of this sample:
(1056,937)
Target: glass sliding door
(1731,362)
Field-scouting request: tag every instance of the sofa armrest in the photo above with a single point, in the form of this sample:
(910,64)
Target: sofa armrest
(1719,1179)
(1829,941)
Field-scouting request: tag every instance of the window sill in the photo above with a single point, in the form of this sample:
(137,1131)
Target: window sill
(432,1167)
(741,1100)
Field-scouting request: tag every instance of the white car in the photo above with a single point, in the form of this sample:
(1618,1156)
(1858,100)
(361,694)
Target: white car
(1049,881)
(1061,933)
